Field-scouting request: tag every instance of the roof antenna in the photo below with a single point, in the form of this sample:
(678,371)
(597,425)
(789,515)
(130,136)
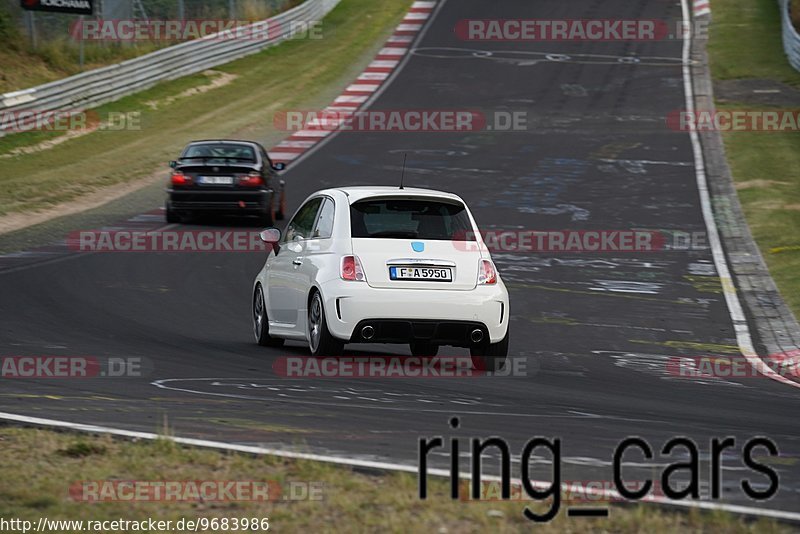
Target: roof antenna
(403,173)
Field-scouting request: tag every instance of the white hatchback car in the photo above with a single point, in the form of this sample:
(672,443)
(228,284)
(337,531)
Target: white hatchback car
(382,265)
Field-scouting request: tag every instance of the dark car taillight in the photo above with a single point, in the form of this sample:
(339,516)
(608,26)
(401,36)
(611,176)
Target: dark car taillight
(251,180)
(178,178)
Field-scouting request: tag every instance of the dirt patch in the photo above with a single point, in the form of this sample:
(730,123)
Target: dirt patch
(98,197)
(218,79)
(749,184)
(756,92)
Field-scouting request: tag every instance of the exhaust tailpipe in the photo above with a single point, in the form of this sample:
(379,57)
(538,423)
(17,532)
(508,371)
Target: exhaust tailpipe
(367,332)
(476,335)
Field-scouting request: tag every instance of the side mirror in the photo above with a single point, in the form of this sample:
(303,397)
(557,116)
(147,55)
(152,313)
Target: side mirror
(173,164)
(270,235)
(278,166)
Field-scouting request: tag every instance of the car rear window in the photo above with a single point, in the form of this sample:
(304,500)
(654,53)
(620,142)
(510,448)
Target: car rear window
(222,152)
(410,219)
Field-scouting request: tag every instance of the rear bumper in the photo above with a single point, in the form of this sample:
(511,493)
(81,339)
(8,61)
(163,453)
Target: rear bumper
(439,332)
(228,201)
(444,317)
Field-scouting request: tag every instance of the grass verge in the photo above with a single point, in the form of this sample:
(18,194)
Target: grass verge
(56,55)
(745,42)
(41,465)
(292,75)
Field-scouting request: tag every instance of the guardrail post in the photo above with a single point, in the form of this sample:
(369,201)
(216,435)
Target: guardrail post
(31,27)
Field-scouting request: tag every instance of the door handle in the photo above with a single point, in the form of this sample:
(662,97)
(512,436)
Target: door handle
(298,261)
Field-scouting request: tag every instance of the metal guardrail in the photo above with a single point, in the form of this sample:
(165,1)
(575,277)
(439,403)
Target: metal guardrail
(791,38)
(93,88)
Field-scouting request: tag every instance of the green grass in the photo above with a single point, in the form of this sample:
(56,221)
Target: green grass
(57,56)
(40,466)
(746,42)
(764,164)
(289,76)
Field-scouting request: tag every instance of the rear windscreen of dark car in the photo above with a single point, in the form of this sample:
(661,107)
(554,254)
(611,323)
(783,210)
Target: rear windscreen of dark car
(410,219)
(222,152)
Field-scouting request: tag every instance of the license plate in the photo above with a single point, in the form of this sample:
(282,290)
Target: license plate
(433,274)
(215,180)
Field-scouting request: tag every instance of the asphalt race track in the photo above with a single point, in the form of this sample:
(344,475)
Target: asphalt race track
(596,330)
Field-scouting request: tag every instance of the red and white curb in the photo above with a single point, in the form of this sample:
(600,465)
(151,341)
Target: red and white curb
(701,7)
(357,93)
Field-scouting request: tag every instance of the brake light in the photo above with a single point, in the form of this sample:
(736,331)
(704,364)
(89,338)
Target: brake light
(351,269)
(251,180)
(178,178)
(486,273)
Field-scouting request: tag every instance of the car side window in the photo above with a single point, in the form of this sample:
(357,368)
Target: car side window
(302,223)
(324,228)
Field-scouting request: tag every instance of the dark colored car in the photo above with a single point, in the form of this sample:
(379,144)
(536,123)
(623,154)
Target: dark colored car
(225,177)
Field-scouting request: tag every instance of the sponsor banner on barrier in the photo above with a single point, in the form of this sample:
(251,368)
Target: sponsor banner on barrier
(74,7)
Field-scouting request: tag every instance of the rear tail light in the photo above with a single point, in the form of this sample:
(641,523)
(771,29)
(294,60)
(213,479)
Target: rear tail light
(351,269)
(178,178)
(487,275)
(251,180)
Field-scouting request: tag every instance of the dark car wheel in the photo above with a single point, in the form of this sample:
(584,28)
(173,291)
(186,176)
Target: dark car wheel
(172,216)
(281,206)
(267,218)
(490,356)
(261,322)
(320,340)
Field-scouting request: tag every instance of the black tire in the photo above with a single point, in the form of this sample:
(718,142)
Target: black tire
(261,322)
(279,215)
(490,357)
(320,340)
(172,217)
(267,218)
(423,349)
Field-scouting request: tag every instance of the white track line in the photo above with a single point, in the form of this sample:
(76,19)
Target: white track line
(743,337)
(385,466)
(388,466)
